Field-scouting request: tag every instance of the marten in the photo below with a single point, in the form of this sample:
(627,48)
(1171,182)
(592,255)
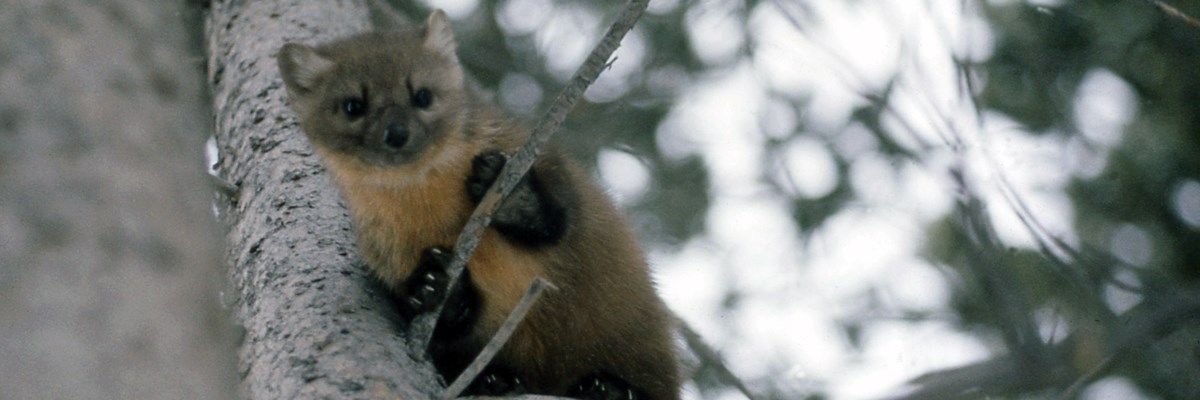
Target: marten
(413,147)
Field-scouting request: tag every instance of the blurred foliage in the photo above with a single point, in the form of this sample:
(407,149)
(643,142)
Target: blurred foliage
(1042,53)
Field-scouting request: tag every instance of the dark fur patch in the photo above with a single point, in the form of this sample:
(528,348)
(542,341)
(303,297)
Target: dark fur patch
(530,216)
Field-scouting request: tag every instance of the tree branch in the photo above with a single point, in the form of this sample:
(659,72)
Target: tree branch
(422,327)
(1174,12)
(222,186)
(315,325)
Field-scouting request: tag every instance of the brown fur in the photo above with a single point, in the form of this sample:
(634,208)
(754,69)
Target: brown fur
(604,317)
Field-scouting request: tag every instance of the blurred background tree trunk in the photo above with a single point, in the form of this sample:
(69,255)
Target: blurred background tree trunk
(109,275)
(315,325)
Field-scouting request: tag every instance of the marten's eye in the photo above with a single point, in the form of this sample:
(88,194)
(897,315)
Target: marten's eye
(354,107)
(422,98)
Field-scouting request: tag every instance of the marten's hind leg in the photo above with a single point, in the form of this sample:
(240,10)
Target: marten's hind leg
(496,381)
(423,289)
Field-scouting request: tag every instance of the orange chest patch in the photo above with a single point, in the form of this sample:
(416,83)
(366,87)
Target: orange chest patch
(395,224)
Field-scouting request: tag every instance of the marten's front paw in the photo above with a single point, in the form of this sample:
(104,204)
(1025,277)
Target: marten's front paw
(427,285)
(485,168)
(603,387)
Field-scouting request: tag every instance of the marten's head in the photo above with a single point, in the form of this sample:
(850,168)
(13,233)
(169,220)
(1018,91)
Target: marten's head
(378,99)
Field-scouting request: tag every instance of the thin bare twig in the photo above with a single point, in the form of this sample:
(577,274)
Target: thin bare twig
(499,339)
(222,186)
(708,356)
(1073,390)
(422,327)
(1000,288)
(1174,12)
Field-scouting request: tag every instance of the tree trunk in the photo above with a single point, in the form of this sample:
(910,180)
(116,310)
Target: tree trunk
(109,268)
(315,325)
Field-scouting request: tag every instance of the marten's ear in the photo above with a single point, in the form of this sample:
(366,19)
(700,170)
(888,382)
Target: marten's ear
(438,36)
(300,66)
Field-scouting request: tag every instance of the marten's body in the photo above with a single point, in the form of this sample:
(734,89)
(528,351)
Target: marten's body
(413,150)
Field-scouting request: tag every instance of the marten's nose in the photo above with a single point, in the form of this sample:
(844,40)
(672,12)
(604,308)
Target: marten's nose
(395,136)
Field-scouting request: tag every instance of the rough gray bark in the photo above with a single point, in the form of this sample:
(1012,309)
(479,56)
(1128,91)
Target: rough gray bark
(109,275)
(315,326)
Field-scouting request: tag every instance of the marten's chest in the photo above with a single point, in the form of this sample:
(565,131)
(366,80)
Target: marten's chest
(394,224)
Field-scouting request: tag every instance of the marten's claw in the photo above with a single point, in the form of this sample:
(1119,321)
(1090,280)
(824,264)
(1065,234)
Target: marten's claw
(485,168)
(496,382)
(604,387)
(427,286)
